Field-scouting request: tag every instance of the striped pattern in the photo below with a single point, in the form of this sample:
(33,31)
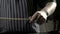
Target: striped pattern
(13,9)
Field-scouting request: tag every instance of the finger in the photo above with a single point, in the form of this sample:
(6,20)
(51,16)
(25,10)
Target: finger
(30,17)
(33,18)
(42,19)
(38,16)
